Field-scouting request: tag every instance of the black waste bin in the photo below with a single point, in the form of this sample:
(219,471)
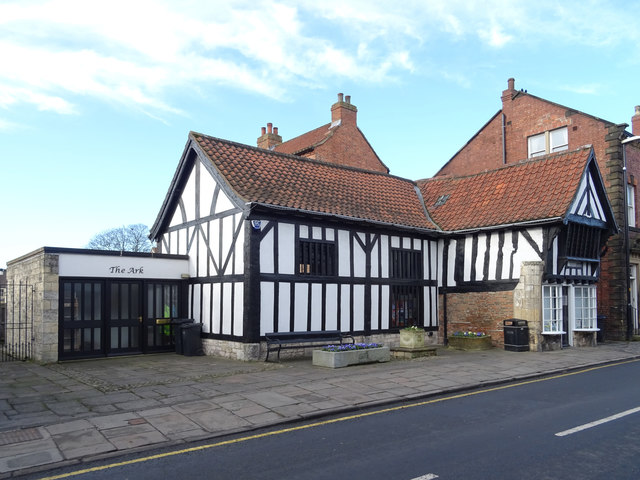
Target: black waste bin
(191,341)
(516,335)
(600,334)
(177,332)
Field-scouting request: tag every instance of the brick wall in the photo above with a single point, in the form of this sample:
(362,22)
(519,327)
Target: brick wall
(526,115)
(478,312)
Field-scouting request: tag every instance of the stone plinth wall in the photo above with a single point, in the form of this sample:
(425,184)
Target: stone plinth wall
(40,270)
(527,302)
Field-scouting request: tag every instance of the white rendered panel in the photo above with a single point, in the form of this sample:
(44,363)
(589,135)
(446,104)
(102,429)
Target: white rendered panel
(303,231)
(189,196)
(345,302)
(359,260)
(286,249)
(434,306)
(228,230)
(317,233)
(316,307)
(507,248)
(206,307)
(384,245)
(227,308)
(214,245)
(196,313)
(284,307)
(434,261)
(300,309)
(344,254)
(384,325)
(375,291)
(177,218)
(202,250)
(215,317)
(468,260)
(375,267)
(493,256)
(266,253)
(358,307)
(331,234)
(267,292)
(332,307)
(482,248)
(395,242)
(223,203)
(239,247)
(238,308)
(406,242)
(207,189)
(452,263)
(182,241)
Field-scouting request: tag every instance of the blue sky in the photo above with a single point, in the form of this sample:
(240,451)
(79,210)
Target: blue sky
(97,98)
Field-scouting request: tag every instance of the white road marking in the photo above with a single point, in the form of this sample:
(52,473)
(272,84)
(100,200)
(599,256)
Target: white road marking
(428,476)
(598,422)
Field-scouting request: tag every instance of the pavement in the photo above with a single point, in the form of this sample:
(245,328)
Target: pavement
(73,412)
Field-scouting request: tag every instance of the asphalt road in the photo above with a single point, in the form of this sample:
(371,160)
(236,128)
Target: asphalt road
(540,429)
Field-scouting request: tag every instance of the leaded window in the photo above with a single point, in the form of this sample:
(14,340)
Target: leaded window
(552,309)
(317,257)
(586,311)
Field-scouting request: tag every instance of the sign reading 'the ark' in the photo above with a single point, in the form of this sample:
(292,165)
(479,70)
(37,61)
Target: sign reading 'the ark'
(83,265)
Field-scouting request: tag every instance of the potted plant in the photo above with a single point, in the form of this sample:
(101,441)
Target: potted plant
(412,337)
(470,341)
(336,356)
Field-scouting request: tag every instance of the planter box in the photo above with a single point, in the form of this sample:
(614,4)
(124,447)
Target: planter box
(411,338)
(350,357)
(470,343)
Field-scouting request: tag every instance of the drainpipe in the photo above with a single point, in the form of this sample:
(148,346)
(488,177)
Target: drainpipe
(504,140)
(627,250)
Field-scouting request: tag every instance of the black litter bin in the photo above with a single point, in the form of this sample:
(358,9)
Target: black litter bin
(516,335)
(177,332)
(191,341)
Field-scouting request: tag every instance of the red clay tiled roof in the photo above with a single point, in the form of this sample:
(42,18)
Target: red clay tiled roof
(304,141)
(266,177)
(538,189)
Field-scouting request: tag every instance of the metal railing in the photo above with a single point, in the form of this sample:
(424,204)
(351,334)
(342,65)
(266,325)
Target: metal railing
(16,322)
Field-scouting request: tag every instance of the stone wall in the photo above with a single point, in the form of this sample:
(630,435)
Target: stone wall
(527,301)
(39,270)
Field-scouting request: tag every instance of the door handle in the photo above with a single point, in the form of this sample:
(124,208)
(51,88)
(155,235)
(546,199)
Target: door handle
(140,319)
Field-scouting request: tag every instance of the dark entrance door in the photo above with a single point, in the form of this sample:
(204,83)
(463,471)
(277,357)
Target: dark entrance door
(125,318)
(103,317)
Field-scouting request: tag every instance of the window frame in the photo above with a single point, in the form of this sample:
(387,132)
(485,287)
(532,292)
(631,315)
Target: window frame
(585,317)
(316,257)
(631,205)
(552,315)
(549,146)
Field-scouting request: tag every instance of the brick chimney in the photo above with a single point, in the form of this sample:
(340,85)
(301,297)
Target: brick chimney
(343,111)
(269,137)
(510,92)
(635,122)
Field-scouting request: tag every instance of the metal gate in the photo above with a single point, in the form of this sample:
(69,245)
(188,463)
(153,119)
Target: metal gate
(16,322)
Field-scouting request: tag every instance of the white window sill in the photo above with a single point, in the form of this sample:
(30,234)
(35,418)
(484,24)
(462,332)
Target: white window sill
(554,333)
(586,329)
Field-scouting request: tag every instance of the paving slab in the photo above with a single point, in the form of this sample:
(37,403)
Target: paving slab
(75,411)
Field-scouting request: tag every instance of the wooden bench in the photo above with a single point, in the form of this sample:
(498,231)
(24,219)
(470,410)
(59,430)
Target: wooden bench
(277,341)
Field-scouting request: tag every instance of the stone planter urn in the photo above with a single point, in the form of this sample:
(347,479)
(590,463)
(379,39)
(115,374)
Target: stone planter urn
(470,342)
(322,358)
(411,338)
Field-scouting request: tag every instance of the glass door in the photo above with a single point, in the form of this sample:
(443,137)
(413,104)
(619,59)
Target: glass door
(81,319)
(162,301)
(125,318)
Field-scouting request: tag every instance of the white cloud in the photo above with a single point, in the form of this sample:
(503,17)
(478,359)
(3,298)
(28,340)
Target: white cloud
(55,52)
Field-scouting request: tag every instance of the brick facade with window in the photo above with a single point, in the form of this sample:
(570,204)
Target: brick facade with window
(507,138)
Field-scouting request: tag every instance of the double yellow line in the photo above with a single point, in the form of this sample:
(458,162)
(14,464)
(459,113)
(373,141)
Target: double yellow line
(327,422)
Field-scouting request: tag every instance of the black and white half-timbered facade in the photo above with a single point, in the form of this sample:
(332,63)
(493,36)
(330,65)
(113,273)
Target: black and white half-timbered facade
(546,219)
(279,243)
(254,241)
